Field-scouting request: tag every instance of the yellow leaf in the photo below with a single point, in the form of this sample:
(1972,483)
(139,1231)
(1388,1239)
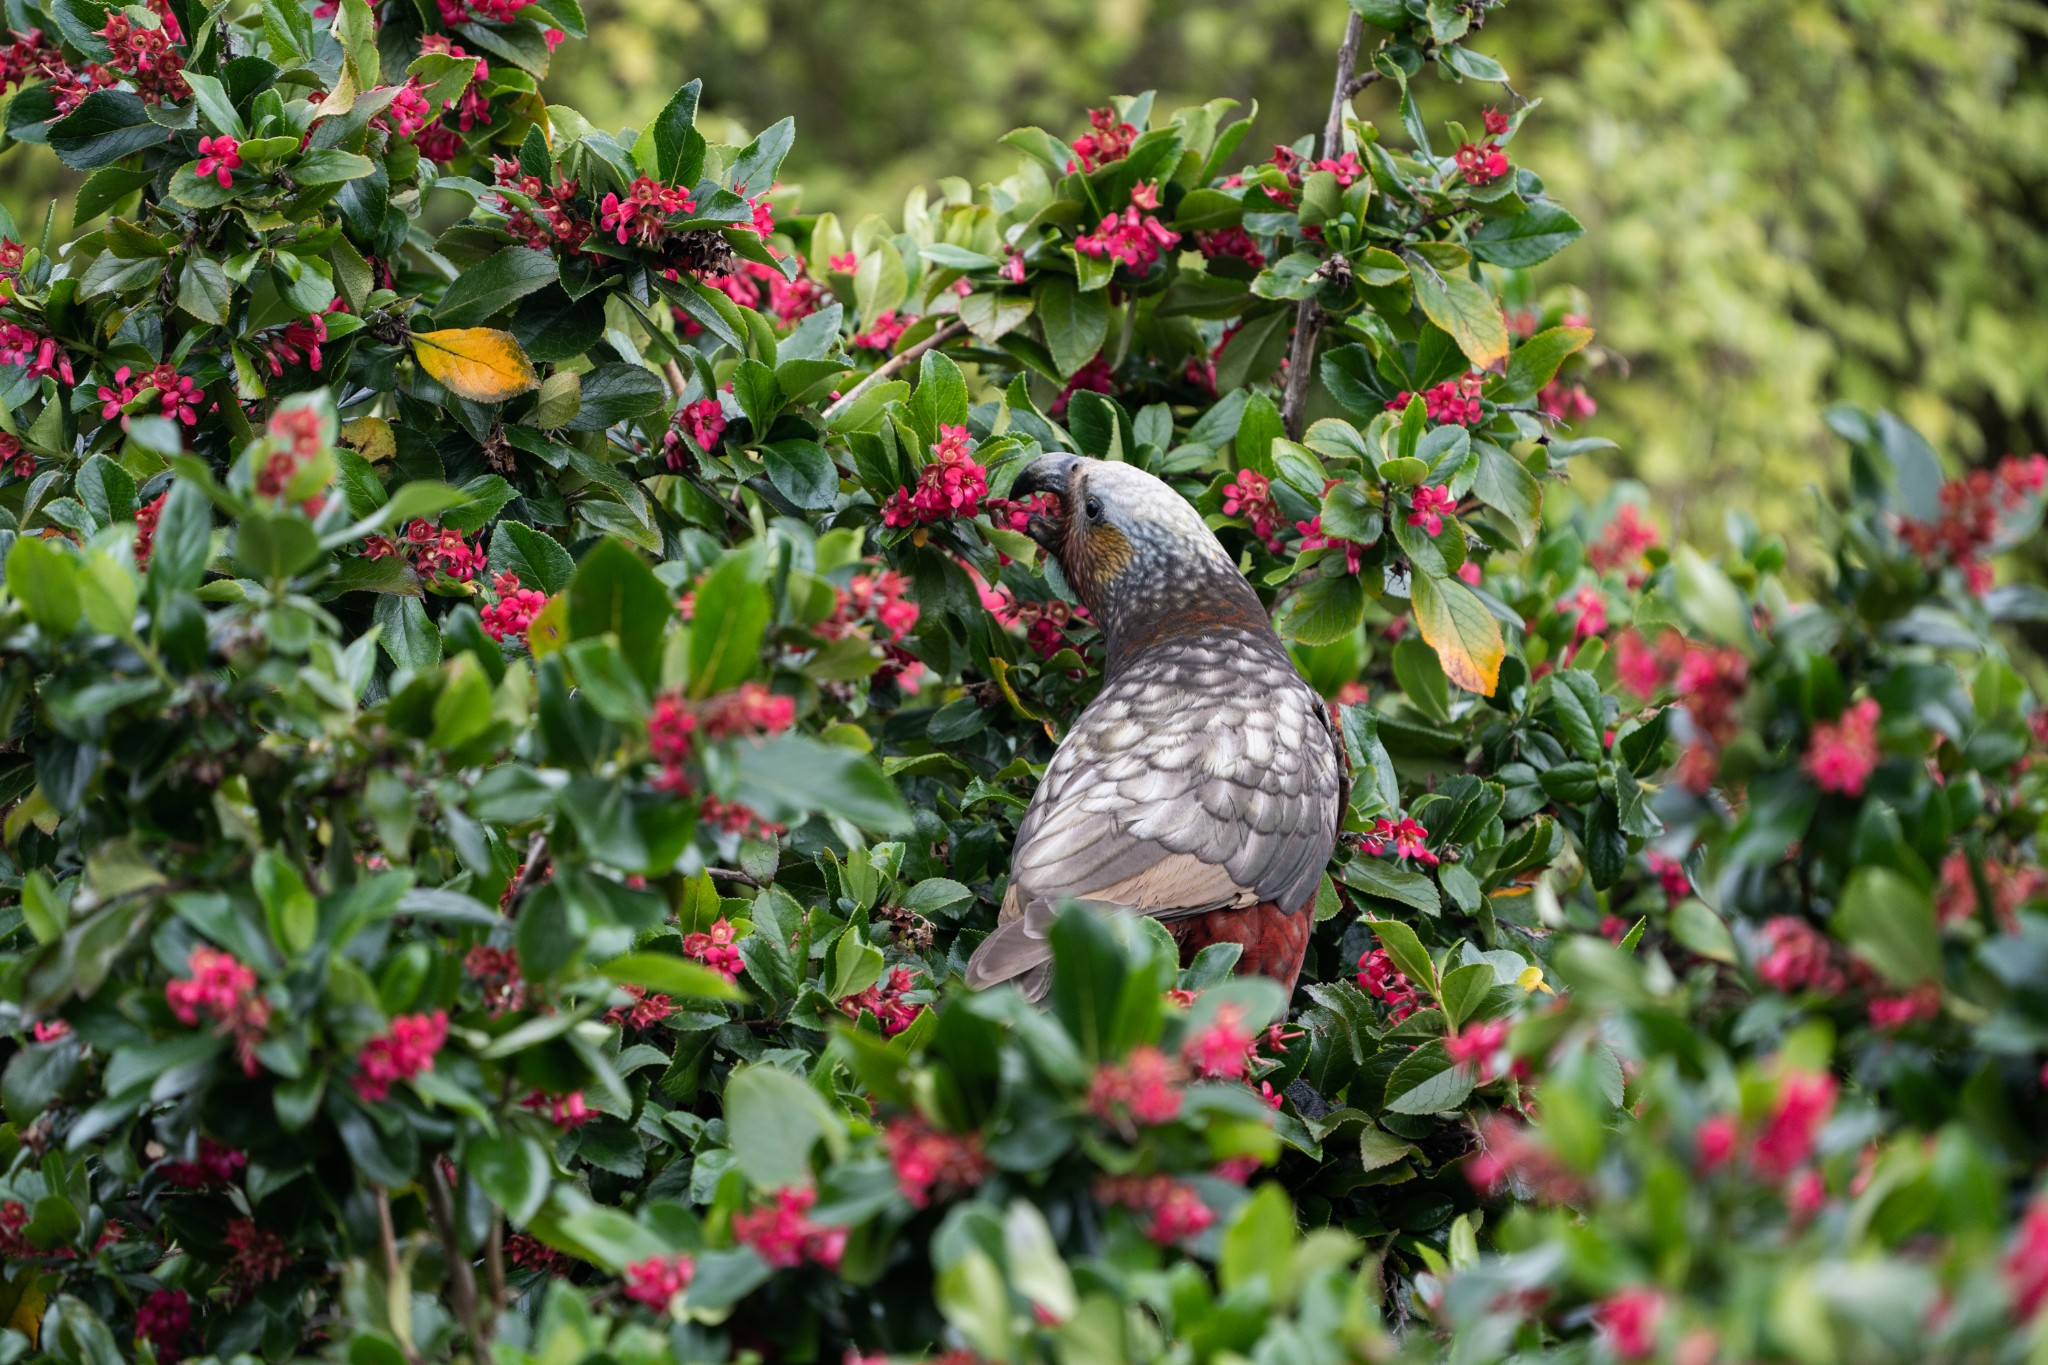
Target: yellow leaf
(1457,625)
(481,364)
(24,1302)
(1531,979)
(549,630)
(371,438)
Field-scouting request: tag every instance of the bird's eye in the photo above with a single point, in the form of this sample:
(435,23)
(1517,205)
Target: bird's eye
(1094,509)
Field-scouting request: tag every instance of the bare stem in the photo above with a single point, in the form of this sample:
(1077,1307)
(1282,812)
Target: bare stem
(536,854)
(675,376)
(461,1275)
(733,874)
(387,1239)
(494,1263)
(893,364)
(1308,315)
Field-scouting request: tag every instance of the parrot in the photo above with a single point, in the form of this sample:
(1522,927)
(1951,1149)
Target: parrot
(1203,786)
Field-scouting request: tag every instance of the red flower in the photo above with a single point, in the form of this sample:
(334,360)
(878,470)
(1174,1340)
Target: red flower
(2026,1263)
(1174,1211)
(224,990)
(887,1001)
(1407,838)
(513,613)
(648,1008)
(528,1252)
(1477,1045)
(400,1054)
(260,1253)
(951,486)
(1134,238)
(1591,610)
(1145,1089)
(1428,507)
(1111,140)
(1891,1012)
(1841,756)
(1797,958)
(1231,241)
(927,1160)
(1805,1100)
(1379,978)
(1628,1322)
(214,1168)
(1482,163)
(1222,1050)
(883,334)
(49,1030)
(644,213)
(1250,495)
(1496,122)
(496,972)
(715,950)
(749,711)
(219,157)
(656,1281)
(1454,401)
(1714,1142)
(162,1320)
(566,1112)
(785,1236)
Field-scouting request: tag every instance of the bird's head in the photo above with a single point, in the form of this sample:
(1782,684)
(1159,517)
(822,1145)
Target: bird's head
(1136,553)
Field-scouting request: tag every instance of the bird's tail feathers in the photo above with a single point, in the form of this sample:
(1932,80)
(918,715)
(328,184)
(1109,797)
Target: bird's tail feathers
(1009,954)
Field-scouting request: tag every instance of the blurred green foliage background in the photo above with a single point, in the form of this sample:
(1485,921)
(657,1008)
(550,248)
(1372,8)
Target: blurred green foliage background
(1788,202)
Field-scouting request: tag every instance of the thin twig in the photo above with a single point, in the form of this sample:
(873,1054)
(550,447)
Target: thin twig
(461,1275)
(1357,84)
(733,874)
(494,1263)
(536,851)
(893,364)
(1308,315)
(675,376)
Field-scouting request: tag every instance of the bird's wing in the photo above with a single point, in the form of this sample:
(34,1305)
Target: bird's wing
(1204,779)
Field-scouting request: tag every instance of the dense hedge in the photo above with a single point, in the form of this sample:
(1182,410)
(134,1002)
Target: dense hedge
(521,671)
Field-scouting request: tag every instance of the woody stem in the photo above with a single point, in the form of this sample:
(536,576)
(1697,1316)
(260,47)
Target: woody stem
(892,365)
(1308,315)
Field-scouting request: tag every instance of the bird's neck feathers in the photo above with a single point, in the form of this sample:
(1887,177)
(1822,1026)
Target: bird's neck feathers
(1154,599)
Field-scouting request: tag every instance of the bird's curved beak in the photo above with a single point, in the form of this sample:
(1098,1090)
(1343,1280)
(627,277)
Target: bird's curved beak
(1047,474)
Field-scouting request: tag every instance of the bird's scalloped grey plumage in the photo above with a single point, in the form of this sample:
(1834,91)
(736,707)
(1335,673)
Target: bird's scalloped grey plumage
(1204,779)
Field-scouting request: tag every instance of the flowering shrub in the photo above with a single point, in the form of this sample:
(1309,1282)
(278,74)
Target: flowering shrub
(511,735)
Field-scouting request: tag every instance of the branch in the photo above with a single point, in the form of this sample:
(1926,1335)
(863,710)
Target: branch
(1308,315)
(536,850)
(893,364)
(387,1238)
(733,874)
(675,376)
(461,1275)
(494,1263)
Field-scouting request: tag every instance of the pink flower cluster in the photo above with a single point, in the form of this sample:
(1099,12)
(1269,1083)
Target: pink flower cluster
(648,1008)
(1477,1045)
(143,56)
(566,1112)
(1972,509)
(1796,957)
(177,394)
(1134,238)
(656,1281)
(430,550)
(1482,162)
(162,1320)
(213,1168)
(1144,1089)
(1589,610)
(1346,168)
(1428,506)
(749,711)
(1250,495)
(1841,755)
(703,421)
(40,355)
(928,1161)
(496,973)
(878,598)
(1174,1212)
(785,1235)
(1628,1322)
(1379,978)
(952,485)
(1622,542)
(552,223)
(260,1253)
(1110,141)
(1453,401)
(1956,900)
(644,212)
(403,1052)
(1222,1051)
(225,991)
(714,948)
(298,342)
(1230,241)
(888,328)
(1405,837)
(2026,1263)
(512,614)
(1566,402)
(888,1000)
(1312,538)
(145,528)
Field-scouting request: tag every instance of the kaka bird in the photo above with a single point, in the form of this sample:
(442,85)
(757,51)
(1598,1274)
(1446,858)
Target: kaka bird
(1202,786)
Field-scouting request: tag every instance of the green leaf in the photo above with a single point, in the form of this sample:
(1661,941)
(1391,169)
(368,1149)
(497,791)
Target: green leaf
(1889,922)
(1709,599)
(940,398)
(678,146)
(1076,324)
(488,288)
(1428,1083)
(802,472)
(536,557)
(1528,238)
(672,976)
(791,776)
(1407,952)
(1581,720)
(204,290)
(43,576)
(617,393)
(1465,990)
(732,610)
(1326,609)
(105,188)
(331,166)
(106,126)
(774,1120)
(1534,362)
(615,593)
(1379,877)
(513,1170)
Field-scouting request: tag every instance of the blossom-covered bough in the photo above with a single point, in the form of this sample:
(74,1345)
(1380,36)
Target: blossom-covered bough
(508,736)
